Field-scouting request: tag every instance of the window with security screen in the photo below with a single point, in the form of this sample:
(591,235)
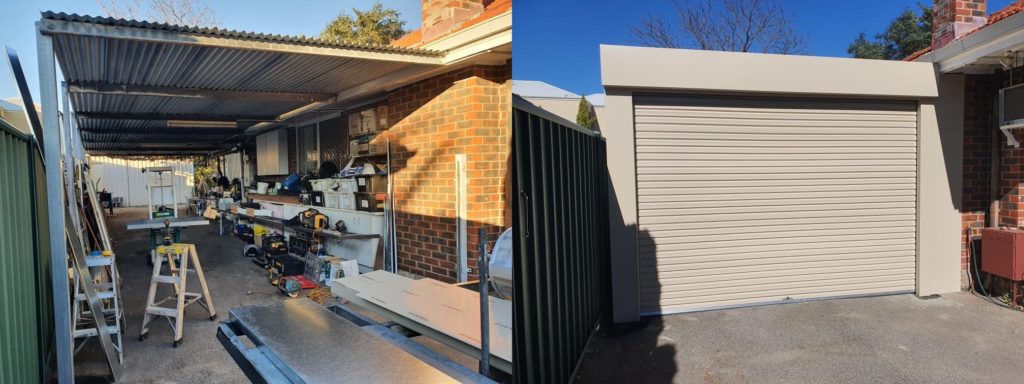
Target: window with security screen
(334,142)
(308,156)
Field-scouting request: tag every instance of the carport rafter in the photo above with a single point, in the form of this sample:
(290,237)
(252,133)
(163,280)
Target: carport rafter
(166,116)
(158,91)
(150,154)
(169,148)
(164,132)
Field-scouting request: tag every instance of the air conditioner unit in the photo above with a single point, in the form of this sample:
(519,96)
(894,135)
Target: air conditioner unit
(1011,111)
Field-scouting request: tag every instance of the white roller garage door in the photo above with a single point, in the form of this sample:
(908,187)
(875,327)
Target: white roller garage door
(745,200)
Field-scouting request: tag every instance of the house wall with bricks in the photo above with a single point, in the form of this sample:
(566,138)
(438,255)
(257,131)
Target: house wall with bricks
(981,132)
(465,111)
(977,154)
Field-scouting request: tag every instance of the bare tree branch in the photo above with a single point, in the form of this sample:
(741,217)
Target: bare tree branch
(126,9)
(654,31)
(181,12)
(722,25)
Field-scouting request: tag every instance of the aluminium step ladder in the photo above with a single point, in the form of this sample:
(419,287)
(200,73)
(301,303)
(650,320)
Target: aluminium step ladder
(100,272)
(177,256)
(105,278)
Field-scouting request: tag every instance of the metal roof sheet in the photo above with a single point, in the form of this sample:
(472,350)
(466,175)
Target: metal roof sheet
(50,15)
(534,88)
(128,83)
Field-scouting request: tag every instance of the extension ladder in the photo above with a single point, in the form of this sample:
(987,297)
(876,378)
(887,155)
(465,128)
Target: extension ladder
(175,254)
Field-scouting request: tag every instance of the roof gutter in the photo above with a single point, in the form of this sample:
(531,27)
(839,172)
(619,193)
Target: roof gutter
(993,39)
(484,37)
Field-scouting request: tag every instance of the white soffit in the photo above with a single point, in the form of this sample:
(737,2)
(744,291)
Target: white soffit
(991,42)
(493,35)
(715,71)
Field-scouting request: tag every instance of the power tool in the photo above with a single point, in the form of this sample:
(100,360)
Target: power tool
(168,240)
(312,218)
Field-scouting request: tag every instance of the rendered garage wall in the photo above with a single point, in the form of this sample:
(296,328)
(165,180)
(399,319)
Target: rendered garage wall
(626,70)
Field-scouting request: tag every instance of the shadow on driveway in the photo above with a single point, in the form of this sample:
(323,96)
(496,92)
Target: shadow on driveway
(953,339)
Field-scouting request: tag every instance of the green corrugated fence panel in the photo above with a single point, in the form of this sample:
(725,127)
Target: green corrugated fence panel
(26,307)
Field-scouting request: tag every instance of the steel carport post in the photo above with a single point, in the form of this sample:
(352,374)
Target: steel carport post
(55,201)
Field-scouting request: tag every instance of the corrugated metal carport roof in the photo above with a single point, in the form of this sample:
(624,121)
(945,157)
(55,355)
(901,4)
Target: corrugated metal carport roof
(150,88)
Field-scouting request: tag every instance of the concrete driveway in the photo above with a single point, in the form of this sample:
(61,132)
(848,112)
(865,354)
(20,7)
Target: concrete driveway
(957,338)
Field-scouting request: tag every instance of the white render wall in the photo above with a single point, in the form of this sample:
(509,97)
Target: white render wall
(123,177)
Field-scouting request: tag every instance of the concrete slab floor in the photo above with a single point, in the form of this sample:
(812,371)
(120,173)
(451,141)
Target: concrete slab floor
(200,358)
(957,338)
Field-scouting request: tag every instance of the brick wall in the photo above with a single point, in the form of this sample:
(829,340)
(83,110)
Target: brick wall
(977,152)
(980,127)
(465,111)
(955,18)
(443,16)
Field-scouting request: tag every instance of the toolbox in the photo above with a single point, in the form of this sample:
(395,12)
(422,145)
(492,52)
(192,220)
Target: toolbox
(298,245)
(288,265)
(274,245)
(370,201)
(317,198)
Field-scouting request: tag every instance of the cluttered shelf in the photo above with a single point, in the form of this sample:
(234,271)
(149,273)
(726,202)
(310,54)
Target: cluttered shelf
(283,224)
(287,199)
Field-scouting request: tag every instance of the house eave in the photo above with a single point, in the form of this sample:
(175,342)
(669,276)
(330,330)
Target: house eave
(983,48)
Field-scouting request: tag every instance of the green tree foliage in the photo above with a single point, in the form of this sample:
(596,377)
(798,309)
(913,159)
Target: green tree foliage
(585,114)
(908,33)
(378,25)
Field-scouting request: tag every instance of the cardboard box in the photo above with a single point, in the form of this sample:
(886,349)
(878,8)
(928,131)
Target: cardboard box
(375,183)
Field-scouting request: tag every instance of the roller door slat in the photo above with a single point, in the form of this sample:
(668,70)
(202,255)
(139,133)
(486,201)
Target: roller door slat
(745,200)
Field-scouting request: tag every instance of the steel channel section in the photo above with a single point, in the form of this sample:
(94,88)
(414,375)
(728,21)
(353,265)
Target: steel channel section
(262,364)
(55,201)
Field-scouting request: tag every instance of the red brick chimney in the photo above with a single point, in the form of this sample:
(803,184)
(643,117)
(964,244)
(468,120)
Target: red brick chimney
(955,18)
(443,16)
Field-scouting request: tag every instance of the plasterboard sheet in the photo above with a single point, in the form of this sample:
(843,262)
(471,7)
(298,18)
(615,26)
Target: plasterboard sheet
(444,307)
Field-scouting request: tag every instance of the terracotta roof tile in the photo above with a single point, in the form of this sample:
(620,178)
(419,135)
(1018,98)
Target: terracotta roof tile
(1010,10)
(495,8)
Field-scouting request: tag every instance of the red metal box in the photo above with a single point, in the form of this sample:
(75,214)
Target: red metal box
(1002,252)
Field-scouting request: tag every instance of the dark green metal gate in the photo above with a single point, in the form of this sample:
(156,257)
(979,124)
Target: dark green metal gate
(26,305)
(561,248)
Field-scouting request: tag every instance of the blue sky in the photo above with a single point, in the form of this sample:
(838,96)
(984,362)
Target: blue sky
(554,41)
(292,17)
(557,41)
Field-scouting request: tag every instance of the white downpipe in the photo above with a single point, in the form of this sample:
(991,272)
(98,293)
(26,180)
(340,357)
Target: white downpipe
(460,214)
